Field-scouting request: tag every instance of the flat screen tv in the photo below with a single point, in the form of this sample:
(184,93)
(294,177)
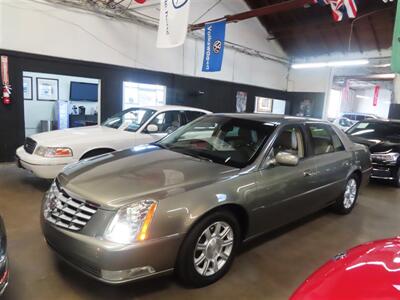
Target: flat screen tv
(82,91)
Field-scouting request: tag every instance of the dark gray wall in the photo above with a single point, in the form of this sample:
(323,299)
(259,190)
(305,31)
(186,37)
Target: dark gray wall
(219,96)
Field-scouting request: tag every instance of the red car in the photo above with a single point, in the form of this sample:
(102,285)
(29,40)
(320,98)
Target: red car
(369,271)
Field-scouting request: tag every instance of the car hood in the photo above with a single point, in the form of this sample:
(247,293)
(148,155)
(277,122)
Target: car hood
(369,271)
(143,172)
(80,135)
(377,146)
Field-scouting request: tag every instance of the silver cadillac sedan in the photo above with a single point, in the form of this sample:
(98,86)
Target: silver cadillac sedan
(187,202)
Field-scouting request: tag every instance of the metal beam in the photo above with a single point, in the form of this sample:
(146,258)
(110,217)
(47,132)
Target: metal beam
(262,11)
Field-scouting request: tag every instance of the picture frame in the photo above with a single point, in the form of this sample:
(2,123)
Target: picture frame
(28,87)
(47,89)
(263,105)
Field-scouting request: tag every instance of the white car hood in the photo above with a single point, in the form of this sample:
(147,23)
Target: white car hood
(81,135)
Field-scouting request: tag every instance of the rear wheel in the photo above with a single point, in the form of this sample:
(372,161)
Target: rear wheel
(209,249)
(346,202)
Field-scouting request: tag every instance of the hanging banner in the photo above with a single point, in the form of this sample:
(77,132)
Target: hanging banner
(173,24)
(396,43)
(376,95)
(214,46)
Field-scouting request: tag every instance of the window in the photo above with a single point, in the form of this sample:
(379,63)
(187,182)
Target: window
(344,122)
(321,139)
(290,140)
(139,95)
(350,117)
(376,130)
(130,119)
(337,143)
(193,115)
(167,122)
(225,140)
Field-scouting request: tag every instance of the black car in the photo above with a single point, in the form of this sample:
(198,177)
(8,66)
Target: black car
(383,139)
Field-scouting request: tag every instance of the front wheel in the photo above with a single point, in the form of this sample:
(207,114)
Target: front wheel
(346,202)
(209,249)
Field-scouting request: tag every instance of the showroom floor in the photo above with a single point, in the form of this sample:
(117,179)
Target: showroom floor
(269,268)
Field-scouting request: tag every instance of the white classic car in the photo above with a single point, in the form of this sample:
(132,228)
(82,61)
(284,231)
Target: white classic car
(46,154)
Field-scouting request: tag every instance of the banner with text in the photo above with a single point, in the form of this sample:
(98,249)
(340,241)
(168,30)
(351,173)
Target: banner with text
(173,24)
(214,46)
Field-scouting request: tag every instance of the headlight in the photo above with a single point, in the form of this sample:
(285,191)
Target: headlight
(389,157)
(131,223)
(53,151)
(50,200)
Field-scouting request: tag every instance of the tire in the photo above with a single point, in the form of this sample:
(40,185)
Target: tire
(212,250)
(346,202)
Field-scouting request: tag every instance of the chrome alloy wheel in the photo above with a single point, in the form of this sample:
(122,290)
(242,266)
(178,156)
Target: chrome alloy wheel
(350,194)
(213,248)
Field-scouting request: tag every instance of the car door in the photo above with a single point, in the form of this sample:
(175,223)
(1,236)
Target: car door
(332,161)
(282,191)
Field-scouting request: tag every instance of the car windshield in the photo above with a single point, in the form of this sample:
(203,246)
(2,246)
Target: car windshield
(225,140)
(130,120)
(376,131)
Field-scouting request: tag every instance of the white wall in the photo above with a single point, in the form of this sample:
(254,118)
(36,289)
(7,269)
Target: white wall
(35,27)
(36,110)
(365,104)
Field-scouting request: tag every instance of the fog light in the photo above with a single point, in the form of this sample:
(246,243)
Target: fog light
(127,274)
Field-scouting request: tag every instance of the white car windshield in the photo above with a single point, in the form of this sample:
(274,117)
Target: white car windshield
(130,120)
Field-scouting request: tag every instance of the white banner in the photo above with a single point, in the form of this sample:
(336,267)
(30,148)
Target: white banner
(172,28)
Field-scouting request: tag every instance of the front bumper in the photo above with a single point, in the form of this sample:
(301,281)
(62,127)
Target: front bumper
(109,262)
(42,167)
(384,171)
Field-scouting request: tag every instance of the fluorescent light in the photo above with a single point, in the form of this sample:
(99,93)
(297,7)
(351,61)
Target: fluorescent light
(384,76)
(342,63)
(363,97)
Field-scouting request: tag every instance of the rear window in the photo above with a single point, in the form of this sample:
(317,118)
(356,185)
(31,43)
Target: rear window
(193,115)
(375,130)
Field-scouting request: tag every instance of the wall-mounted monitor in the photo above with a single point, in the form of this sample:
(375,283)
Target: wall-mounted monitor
(82,91)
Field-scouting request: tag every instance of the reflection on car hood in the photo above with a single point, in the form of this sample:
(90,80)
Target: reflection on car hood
(368,271)
(144,172)
(81,135)
(376,146)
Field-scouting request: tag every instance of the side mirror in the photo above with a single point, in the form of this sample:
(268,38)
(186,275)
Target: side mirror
(152,128)
(287,159)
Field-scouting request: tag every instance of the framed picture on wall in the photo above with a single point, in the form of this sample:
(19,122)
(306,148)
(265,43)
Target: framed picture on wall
(27,84)
(47,89)
(263,105)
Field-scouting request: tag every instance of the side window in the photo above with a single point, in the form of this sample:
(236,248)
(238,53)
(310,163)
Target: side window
(337,143)
(348,116)
(193,115)
(167,122)
(360,118)
(321,139)
(290,140)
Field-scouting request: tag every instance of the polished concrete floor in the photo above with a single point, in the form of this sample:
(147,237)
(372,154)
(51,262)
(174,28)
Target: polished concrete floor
(268,268)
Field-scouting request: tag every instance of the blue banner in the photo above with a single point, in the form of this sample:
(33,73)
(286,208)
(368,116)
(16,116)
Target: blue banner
(214,46)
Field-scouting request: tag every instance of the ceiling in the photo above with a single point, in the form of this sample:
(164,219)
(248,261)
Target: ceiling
(311,31)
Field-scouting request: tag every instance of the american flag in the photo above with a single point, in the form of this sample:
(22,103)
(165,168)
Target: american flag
(340,8)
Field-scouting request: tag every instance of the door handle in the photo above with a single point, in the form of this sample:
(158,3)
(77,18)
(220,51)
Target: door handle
(308,173)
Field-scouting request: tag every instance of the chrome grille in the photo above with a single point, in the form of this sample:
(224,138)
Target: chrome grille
(69,213)
(29,145)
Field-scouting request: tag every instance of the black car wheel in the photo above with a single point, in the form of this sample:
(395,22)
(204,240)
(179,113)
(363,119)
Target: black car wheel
(208,250)
(346,202)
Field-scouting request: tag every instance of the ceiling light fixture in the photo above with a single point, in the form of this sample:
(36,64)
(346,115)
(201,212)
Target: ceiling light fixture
(342,63)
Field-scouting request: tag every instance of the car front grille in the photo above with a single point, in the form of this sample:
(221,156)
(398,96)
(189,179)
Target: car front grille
(70,213)
(29,145)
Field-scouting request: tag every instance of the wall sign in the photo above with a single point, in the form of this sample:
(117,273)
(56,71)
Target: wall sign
(241,101)
(27,84)
(47,89)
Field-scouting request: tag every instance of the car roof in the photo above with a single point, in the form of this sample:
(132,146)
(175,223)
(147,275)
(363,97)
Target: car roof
(381,121)
(270,118)
(172,107)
